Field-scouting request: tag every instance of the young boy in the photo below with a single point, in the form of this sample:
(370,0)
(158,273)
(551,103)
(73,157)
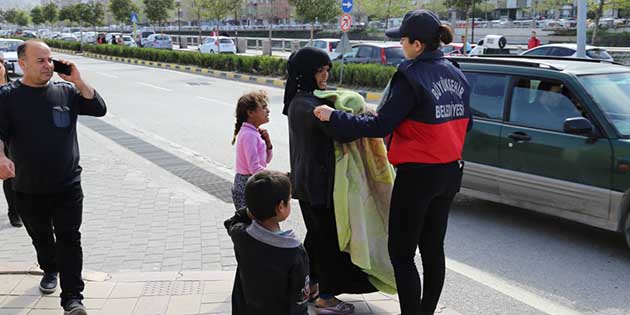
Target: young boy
(272,273)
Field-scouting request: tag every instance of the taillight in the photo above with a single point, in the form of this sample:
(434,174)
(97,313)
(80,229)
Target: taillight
(383,59)
(330,46)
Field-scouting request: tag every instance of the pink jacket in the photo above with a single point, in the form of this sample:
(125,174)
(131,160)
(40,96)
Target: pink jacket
(252,155)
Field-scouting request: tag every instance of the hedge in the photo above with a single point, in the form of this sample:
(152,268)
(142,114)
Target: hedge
(370,76)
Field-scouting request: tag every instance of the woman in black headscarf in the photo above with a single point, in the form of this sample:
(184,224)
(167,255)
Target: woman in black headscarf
(312,176)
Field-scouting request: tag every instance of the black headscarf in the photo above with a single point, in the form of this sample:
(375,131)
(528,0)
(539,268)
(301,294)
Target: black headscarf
(302,67)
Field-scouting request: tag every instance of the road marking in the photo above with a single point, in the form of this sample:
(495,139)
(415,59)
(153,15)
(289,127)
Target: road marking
(108,75)
(215,101)
(540,303)
(155,86)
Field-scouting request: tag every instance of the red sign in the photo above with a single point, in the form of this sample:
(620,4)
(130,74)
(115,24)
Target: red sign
(345,22)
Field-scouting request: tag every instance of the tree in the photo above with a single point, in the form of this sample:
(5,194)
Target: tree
(599,6)
(122,9)
(436,6)
(91,13)
(385,9)
(50,13)
(22,18)
(198,9)
(10,16)
(235,6)
(69,14)
(157,11)
(316,10)
(37,15)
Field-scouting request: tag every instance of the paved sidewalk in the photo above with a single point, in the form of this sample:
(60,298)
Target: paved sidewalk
(152,243)
(187,292)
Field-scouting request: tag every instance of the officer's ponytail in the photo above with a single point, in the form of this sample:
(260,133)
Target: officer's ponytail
(443,35)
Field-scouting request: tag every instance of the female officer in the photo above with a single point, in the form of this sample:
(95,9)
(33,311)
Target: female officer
(427,109)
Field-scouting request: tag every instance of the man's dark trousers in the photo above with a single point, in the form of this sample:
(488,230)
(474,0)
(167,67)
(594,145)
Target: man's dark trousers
(53,223)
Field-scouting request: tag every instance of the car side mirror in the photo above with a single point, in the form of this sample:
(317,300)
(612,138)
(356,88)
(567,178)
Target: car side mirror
(579,126)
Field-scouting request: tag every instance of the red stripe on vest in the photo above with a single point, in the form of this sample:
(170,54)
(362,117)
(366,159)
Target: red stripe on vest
(416,142)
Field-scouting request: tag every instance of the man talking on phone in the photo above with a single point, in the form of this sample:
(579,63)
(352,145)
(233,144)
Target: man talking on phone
(38,118)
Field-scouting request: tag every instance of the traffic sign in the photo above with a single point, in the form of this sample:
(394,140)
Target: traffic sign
(345,22)
(346,6)
(134,17)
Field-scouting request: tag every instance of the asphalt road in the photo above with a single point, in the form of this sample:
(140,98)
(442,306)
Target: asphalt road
(501,260)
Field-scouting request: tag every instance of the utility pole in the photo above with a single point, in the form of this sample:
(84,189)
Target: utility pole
(581,29)
(472,33)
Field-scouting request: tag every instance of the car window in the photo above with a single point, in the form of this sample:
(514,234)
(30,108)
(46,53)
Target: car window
(364,52)
(542,104)
(319,44)
(562,52)
(611,92)
(487,94)
(542,51)
(9,45)
(225,41)
(376,54)
(394,53)
(598,54)
(334,45)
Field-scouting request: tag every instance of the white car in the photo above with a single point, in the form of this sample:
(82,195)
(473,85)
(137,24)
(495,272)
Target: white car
(329,45)
(215,45)
(128,41)
(568,51)
(108,37)
(8,49)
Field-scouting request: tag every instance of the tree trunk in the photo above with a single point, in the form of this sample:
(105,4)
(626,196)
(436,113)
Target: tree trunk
(199,28)
(312,30)
(598,15)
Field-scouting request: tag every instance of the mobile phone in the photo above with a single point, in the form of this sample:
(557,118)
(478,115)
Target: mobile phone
(61,67)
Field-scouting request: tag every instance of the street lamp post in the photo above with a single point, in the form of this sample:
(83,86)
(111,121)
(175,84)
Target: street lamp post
(178,4)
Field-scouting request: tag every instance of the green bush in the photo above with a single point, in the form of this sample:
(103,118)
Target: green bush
(358,75)
(363,75)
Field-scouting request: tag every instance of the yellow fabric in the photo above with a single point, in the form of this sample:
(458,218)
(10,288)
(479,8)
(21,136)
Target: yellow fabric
(362,191)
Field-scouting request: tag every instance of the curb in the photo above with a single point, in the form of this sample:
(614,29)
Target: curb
(369,96)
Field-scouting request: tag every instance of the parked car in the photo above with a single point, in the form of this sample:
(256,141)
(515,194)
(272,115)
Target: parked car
(68,37)
(568,50)
(8,49)
(384,53)
(108,37)
(128,41)
(551,136)
(326,44)
(143,36)
(159,41)
(220,44)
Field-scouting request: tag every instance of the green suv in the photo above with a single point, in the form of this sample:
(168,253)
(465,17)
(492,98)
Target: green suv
(551,135)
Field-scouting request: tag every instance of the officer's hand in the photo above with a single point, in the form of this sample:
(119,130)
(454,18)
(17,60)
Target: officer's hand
(75,75)
(323,112)
(7,168)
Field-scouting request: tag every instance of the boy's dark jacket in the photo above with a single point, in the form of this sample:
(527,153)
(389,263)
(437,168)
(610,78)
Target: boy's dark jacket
(272,273)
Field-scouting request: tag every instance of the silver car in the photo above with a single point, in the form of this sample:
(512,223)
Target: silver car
(159,41)
(568,51)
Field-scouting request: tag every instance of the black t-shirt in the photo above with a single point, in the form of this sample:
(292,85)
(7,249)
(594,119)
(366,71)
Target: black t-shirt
(40,124)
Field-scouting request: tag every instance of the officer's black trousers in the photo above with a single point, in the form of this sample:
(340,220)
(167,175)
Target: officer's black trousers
(421,201)
(53,222)
(9,194)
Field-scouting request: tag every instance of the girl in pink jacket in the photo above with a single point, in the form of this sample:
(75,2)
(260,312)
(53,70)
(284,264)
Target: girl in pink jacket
(253,145)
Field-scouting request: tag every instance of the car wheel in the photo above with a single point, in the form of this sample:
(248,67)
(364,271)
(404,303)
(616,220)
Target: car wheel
(626,228)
